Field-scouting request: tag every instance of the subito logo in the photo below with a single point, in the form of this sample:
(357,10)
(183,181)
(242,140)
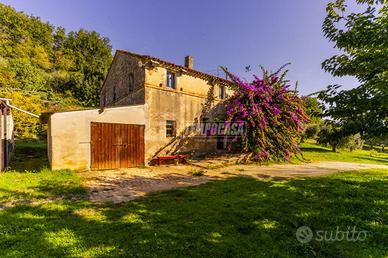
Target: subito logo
(304,234)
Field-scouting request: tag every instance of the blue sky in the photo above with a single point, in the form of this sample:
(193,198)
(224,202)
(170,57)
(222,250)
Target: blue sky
(229,33)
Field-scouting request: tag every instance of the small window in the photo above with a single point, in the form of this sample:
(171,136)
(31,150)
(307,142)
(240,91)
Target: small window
(170,128)
(114,94)
(222,92)
(171,80)
(131,83)
(103,99)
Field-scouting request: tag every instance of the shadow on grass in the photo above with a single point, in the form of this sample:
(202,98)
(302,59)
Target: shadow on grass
(317,149)
(371,158)
(240,216)
(30,155)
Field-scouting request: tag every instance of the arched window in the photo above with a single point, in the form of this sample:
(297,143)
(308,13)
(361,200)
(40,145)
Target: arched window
(131,83)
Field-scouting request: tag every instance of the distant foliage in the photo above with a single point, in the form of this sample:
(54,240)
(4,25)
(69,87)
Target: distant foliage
(38,58)
(273,116)
(330,135)
(311,131)
(43,68)
(313,109)
(27,126)
(351,142)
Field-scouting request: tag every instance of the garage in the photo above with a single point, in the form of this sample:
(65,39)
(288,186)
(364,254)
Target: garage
(116,145)
(97,139)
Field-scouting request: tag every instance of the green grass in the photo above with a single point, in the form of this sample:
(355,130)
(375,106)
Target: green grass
(237,217)
(314,153)
(27,187)
(30,155)
(46,213)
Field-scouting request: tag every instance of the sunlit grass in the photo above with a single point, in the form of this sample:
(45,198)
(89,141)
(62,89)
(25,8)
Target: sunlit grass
(46,213)
(314,153)
(233,217)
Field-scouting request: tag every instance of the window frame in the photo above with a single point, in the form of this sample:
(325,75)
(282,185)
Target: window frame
(104,99)
(131,83)
(170,126)
(174,81)
(114,94)
(221,92)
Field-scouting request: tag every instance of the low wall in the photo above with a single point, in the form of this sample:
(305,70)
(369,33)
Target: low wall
(69,133)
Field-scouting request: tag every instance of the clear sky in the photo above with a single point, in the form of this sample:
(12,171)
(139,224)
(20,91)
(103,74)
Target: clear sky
(225,32)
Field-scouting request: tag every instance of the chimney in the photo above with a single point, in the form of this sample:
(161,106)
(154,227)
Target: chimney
(189,62)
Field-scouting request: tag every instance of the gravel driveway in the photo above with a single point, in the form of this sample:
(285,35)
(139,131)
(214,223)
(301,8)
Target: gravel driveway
(127,184)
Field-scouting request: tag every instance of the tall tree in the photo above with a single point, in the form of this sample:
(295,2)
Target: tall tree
(363,39)
(93,55)
(60,70)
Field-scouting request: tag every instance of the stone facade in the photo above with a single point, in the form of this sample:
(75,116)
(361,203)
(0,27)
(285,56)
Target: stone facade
(126,81)
(195,97)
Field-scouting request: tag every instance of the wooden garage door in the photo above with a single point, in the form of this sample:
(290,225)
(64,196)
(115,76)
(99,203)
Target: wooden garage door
(116,145)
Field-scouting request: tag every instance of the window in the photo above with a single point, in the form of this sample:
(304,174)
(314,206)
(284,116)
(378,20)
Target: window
(131,83)
(171,80)
(103,99)
(114,94)
(222,92)
(170,128)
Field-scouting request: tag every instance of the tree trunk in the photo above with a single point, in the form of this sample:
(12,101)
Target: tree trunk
(334,147)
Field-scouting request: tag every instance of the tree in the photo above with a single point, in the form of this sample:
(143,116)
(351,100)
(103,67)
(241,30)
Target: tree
(37,56)
(362,37)
(46,69)
(330,135)
(92,54)
(311,131)
(272,114)
(313,109)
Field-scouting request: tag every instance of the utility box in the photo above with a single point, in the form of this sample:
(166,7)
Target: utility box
(6,134)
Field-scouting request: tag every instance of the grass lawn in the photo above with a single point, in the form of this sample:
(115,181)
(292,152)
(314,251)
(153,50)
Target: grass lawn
(238,217)
(314,153)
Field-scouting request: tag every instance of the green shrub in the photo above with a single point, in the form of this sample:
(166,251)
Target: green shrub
(311,131)
(351,142)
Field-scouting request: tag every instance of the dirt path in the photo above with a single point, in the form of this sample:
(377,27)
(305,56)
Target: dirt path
(123,185)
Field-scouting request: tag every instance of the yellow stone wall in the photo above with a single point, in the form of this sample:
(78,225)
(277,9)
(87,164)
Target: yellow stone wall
(186,105)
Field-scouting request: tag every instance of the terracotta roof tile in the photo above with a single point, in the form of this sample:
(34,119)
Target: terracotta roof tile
(176,67)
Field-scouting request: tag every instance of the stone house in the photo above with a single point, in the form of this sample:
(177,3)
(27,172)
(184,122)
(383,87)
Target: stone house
(158,101)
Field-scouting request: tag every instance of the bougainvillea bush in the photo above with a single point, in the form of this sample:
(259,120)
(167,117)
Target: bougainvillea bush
(273,116)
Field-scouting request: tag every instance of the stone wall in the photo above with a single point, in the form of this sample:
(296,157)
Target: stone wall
(191,101)
(123,66)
